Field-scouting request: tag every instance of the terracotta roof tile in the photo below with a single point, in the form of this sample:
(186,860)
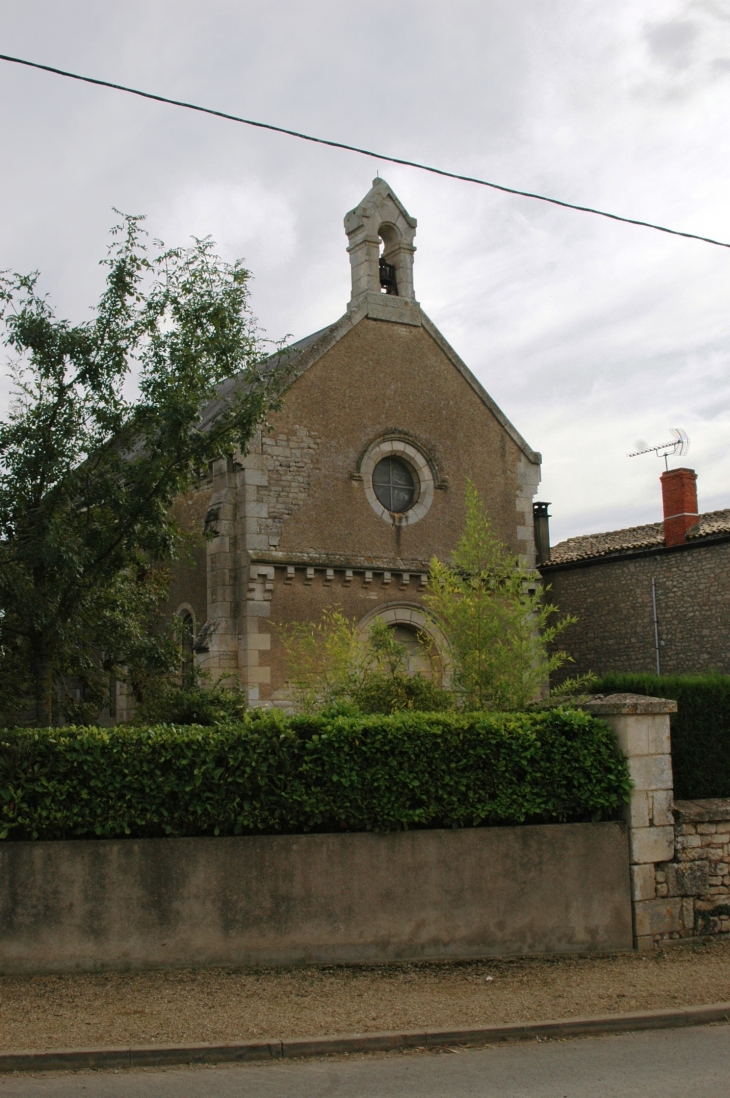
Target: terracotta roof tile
(712,522)
(590,546)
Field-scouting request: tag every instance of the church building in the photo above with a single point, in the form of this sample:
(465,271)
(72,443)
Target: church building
(360,479)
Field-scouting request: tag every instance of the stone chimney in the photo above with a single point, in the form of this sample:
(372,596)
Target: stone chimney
(679,498)
(541,519)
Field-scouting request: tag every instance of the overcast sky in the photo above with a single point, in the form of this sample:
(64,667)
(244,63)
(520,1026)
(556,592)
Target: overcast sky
(590,335)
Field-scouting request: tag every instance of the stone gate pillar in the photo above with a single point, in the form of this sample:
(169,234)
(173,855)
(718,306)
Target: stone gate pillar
(641,725)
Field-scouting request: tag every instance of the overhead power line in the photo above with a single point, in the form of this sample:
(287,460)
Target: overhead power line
(362,152)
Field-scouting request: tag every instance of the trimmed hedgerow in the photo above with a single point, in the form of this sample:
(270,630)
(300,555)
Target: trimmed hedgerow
(269,774)
(700,728)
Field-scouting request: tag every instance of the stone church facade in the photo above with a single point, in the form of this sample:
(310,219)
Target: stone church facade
(360,480)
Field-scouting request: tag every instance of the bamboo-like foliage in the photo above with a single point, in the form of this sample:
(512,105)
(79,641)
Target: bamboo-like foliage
(494,614)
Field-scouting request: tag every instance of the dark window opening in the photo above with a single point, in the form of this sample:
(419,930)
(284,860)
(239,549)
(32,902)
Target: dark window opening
(394,485)
(187,644)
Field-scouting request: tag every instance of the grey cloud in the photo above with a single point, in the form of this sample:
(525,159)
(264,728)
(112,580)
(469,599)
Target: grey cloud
(588,333)
(671,42)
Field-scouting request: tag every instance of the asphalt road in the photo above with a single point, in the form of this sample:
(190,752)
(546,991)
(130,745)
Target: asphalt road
(666,1064)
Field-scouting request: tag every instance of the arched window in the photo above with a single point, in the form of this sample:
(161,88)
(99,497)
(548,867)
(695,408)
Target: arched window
(187,644)
(418,650)
(427,651)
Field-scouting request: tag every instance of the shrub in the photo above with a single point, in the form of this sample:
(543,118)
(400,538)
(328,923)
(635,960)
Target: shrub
(386,692)
(269,774)
(700,728)
(195,704)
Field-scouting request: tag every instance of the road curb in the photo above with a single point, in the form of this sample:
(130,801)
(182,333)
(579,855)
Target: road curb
(76,1059)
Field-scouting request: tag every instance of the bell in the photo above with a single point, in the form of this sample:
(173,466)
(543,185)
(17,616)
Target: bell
(387,277)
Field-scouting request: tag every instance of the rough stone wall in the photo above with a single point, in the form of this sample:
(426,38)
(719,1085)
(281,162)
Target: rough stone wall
(288,460)
(613,603)
(694,888)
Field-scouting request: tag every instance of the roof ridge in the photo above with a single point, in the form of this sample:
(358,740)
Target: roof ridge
(647,535)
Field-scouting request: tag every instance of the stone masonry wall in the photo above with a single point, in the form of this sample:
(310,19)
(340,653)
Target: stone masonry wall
(679,851)
(695,885)
(287,461)
(612,601)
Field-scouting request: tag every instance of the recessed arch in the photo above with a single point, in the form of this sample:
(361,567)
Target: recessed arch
(412,616)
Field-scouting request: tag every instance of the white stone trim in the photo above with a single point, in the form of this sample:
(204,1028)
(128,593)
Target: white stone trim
(642,729)
(422,474)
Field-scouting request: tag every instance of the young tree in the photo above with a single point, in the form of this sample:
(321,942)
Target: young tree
(88,472)
(491,609)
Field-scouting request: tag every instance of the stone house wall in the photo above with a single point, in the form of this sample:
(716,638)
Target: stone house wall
(695,885)
(612,599)
(679,851)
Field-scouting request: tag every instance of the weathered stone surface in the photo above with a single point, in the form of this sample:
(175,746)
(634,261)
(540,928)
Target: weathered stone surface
(601,705)
(688,919)
(280,900)
(712,809)
(661,808)
(651,772)
(688,879)
(651,844)
(643,882)
(657,916)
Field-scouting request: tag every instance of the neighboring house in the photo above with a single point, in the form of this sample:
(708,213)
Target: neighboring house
(649,598)
(360,481)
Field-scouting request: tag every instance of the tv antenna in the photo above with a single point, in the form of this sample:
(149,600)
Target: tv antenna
(678,446)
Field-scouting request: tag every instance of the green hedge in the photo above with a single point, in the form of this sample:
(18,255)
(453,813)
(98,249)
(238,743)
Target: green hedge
(270,774)
(700,728)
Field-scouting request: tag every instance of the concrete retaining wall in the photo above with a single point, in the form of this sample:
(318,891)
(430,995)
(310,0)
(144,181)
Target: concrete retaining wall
(278,900)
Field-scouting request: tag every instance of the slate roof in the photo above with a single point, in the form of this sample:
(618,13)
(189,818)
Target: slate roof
(211,410)
(634,538)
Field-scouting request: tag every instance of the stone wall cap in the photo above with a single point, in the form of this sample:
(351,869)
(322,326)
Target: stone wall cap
(605,704)
(703,811)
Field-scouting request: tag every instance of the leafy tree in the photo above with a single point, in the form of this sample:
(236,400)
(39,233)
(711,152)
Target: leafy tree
(493,613)
(104,432)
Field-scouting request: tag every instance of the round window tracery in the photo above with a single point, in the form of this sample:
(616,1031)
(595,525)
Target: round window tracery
(398,481)
(394,484)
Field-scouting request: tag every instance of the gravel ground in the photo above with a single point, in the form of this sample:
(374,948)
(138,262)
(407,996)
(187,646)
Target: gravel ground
(115,1008)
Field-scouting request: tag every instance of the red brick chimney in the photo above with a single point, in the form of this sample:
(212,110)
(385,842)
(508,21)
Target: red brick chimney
(679,497)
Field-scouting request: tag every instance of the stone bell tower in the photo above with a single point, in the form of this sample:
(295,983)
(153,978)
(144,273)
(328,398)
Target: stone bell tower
(380,232)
